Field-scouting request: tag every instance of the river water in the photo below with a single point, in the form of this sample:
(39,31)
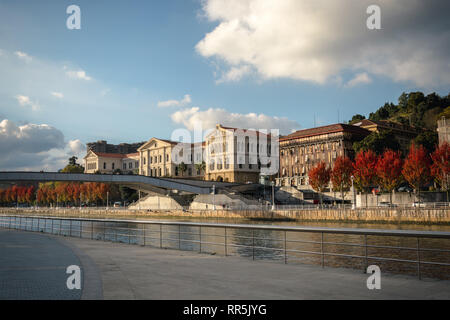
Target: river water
(302,247)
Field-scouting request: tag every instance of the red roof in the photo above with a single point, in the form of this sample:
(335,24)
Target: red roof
(109,155)
(332,128)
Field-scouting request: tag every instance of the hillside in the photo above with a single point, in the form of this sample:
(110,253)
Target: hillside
(414,108)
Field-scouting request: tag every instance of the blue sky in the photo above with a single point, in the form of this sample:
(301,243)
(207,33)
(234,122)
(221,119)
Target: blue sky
(105,80)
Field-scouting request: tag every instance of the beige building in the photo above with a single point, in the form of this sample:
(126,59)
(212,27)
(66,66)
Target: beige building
(163,158)
(110,162)
(237,155)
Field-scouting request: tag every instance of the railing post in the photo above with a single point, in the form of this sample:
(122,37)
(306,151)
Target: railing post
(52,225)
(70,228)
(179,237)
(92,230)
(321,250)
(366,255)
(143,225)
(104,230)
(418,258)
(285,248)
(226,249)
(200,237)
(160,235)
(253,246)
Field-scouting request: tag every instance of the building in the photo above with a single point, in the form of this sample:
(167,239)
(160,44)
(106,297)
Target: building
(99,162)
(403,134)
(303,149)
(443,129)
(165,158)
(237,155)
(123,148)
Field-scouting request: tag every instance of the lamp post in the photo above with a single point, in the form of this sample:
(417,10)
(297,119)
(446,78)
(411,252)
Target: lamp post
(107,200)
(273,195)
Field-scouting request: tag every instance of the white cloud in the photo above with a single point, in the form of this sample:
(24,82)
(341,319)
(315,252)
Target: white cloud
(23,56)
(319,40)
(175,103)
(57,94)
(360,78)
(209,118)
(80,74)
(26,101)
(35,147)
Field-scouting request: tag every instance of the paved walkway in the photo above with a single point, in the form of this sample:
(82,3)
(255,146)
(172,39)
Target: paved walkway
(33,266)
(136,272)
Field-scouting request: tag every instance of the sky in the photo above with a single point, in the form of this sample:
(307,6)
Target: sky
(141,69)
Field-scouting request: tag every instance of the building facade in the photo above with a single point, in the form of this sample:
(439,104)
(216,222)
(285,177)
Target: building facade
(165,158)
(108,163)
(236,155)
(303,149)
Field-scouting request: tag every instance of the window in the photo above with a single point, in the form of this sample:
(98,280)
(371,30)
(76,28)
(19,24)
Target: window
(144,160)
(113,166)
(124,166)
(104,165)
(130,165)
(167,157)
(160,158)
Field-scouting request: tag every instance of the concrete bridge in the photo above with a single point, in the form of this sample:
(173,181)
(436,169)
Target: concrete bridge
(137,182)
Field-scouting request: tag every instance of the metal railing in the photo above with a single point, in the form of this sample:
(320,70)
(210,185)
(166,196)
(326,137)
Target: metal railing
(251,239)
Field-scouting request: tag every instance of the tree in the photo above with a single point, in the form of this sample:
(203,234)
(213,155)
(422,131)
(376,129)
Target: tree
(440,169)
(73,166)
(364,170)
(200,167)
(357,118)
(341,175)
(377,142)
(428,139)
(182,167)
(416,168)
(389,170)
(319,178)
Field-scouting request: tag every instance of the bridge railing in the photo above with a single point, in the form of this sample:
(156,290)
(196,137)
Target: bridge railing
(399,251)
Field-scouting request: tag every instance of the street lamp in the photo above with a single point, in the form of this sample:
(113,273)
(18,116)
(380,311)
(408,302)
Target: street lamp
(214,196)
(107,200)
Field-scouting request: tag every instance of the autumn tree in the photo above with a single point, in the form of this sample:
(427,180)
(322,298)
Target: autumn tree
(364,170)
(341,175)
(440,168)
(389,170)
(416,168)
(319,177)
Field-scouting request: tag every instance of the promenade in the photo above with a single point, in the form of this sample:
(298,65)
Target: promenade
(32,266)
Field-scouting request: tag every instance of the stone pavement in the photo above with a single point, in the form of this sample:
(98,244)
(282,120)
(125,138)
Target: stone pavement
(136,272)
(33,266)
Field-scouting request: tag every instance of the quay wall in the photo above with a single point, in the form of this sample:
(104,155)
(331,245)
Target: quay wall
(385,215)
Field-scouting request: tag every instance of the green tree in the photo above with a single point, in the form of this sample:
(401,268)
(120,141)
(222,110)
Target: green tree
(428,139)
(73,166)
(357,118)
(182,167)
(377,142)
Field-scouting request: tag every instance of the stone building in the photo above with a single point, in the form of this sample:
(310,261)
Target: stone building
(99,162)
(236,155)
(162,158)
(443,129)
(403,134)
(303,149)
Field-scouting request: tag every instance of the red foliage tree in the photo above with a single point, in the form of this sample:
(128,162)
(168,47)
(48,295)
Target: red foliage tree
(416,168)
(341,175)
(319,177)
(389,170)
(440,169)
(364,170)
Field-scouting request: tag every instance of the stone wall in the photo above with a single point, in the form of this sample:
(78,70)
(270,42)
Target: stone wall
(422,215)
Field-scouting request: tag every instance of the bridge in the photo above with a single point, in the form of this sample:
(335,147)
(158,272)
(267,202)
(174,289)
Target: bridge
(136,182)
